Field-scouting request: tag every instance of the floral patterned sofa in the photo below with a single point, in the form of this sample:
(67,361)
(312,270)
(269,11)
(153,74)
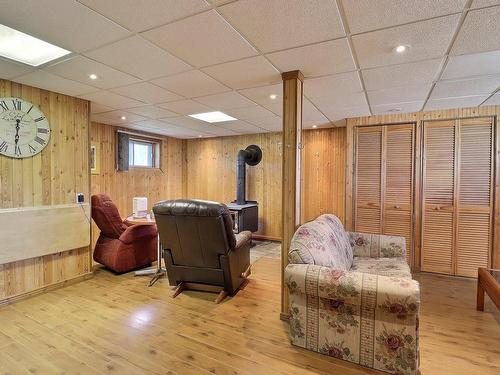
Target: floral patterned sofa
(351,296)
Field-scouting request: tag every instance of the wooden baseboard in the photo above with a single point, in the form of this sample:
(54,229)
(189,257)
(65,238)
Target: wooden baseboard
(46,288)
(260,237)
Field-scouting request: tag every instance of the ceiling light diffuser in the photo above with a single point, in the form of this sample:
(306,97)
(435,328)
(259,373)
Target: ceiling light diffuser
(26,49)
(211,117)
(273,96)
(123,118)
(92,76)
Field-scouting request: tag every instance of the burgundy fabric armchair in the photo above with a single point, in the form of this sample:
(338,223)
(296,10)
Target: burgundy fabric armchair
(121,248)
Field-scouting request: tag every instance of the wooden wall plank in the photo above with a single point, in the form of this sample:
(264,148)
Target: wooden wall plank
(51,177)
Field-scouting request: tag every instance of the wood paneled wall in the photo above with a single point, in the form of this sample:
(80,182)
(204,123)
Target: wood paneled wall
(155,184)
(50,178)
(419,118)
(211,168)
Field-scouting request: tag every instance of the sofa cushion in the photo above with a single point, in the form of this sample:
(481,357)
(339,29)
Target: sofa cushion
(392,267)
(322,242)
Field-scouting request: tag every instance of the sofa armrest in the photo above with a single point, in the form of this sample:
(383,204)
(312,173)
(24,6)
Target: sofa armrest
(377,245)
(136,233)
(394,295)
(243,238)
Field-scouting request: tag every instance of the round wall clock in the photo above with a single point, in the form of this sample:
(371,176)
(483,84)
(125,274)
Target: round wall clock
(24,129)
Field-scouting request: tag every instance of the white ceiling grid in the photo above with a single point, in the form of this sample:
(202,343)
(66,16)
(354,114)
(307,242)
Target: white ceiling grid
(158,61)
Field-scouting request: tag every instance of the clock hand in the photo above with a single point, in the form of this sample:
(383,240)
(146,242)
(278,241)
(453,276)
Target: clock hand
(16,138)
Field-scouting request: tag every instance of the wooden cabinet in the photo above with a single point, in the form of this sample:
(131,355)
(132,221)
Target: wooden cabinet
(384,181)
(457,196)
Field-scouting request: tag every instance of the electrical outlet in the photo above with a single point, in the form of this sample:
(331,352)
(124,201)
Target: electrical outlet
(80,198)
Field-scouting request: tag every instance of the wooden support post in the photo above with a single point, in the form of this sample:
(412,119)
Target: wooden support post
(291,180)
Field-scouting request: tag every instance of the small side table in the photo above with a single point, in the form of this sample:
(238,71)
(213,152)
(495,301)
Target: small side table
(159,271)
(488,281)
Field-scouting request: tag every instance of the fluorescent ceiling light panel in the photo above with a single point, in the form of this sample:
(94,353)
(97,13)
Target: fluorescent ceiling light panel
(24,48)
(216,116)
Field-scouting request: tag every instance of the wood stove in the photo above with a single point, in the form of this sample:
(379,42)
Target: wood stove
(245,213)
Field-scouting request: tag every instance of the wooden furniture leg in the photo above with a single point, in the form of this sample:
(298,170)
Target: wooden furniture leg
(247,272)
(480,296)
(178,290)
(221,296)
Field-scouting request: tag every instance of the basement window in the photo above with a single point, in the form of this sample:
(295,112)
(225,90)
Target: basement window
(143,153)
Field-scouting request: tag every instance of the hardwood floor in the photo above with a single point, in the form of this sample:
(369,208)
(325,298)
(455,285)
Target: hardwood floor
(117,325)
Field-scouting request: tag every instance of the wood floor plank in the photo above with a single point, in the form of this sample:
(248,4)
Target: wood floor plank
(116,324)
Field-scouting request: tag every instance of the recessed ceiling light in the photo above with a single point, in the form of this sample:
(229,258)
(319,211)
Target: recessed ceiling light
(92,76)
(273,96)
(401,48)
(315,126)
(123,117)
(216,116)
(26,49)
(200,136)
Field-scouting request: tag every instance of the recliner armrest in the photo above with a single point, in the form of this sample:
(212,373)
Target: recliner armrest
(243,238)
(136,233)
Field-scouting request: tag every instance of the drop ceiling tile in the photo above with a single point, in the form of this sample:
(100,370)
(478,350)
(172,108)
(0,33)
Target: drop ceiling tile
(219,2)
(67,24)
(111,99)
(79,68)
(186,107)
(190,123)
(317,59)
(250,113)
(116,117)
(226,100)
(366,15)
(201,40)
(278,24)
(147,93)
(275,107)
(401,75)
(191,84)
(252,72)
(99,118)
(311,113)
(484,3)
(261,94)
(152,112)
(10,69)
(183,133)
(220,132)
(151,124)
(479,32)
(140,58)
(274,123)
(48,81)
(460,102)
(476,64)
(140,15)
(399,94)
(98,108)
(397,108)
(241,127)
(466,87)
(330,85)
(336,114)
(339,100)
(427,39)
(494,100)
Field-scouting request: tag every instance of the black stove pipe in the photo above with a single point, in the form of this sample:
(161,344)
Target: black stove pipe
(252,155)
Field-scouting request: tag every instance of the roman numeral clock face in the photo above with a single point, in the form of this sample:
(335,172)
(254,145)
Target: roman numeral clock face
(24,129)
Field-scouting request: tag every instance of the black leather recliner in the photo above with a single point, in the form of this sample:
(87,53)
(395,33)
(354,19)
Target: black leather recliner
(200,248)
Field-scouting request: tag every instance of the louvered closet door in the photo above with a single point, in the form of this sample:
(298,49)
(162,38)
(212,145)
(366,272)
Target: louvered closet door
(474,231)
(397,217)
(457,196)
(368,180)
(438,196)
